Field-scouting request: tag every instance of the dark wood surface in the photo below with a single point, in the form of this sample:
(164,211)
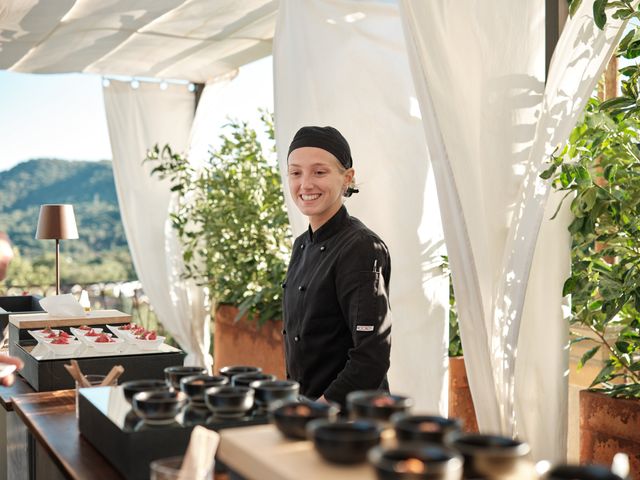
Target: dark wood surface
(19,387)
(51,418)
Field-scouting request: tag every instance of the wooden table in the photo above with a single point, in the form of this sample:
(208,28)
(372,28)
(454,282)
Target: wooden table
(262,453)
(51,419)
(19,387)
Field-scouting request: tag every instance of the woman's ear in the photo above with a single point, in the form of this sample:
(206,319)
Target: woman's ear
(348,188)
(349,175)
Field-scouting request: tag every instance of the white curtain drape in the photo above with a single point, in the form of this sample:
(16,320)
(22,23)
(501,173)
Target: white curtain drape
(343,63)
(138,119)
(490,124)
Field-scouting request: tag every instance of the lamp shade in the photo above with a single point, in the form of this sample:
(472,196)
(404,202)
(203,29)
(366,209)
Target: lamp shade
(56,222)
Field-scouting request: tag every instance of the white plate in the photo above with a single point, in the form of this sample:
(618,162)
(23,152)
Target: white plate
(39,336)
(149,344)
(63,349)
(113,346)
(82,334)
(124,334)
(78,332)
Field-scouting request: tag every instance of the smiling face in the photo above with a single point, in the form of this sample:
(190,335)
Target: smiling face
(316,183)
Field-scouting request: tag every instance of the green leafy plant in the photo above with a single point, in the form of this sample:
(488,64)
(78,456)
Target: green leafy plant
(231,219)
(455,343)
(599,168)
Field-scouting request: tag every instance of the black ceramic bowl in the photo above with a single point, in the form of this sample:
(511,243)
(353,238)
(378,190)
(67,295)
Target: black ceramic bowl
(270,391)
(376,405)
(344,442)
(229,402)
(291,418)
(231,370)
(246,379)
(425,428)
(159,406)
(134,386)
(173,375)
(581,472)
(416,462)
(489,454)
(195,416)
(196,385)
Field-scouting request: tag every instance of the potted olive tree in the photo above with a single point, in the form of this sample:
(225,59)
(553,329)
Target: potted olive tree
(599,169)
(233,225)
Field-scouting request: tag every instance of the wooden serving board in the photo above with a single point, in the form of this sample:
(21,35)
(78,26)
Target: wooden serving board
(263,453)
(95,317)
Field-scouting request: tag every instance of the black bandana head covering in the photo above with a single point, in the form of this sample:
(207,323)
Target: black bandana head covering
(326,138)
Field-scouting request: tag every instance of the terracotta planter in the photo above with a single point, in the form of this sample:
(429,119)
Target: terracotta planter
(244,343)
(608,426)
(460,401)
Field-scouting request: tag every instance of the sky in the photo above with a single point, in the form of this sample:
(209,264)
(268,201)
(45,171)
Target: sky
(62,115)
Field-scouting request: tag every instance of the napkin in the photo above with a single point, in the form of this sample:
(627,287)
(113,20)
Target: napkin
(62,306)
(200,457)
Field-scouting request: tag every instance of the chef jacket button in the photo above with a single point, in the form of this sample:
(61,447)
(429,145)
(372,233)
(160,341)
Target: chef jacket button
(302,288)
(323,248)
(296,338)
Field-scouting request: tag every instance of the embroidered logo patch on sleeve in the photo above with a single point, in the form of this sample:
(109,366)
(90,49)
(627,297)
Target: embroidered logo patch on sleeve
(364,328)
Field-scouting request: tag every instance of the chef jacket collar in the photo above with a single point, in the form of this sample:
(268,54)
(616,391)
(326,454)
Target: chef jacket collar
(330,228)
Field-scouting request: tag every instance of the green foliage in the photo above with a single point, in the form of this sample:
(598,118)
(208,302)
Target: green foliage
(619,9)
(455,343)
(599,168)
(231,219)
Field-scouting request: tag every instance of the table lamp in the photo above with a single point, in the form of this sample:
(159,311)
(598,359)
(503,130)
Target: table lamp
(56,222)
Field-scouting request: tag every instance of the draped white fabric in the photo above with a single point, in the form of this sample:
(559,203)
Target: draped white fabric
(138,119)
(196,40)
(490,124)
(364,88)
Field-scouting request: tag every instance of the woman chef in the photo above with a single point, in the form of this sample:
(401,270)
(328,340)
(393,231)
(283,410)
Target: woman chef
(337,322)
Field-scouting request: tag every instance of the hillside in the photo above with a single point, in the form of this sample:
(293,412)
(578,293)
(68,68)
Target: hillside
(89,186)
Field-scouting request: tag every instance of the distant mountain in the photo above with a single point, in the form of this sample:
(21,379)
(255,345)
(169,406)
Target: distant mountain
(88,186)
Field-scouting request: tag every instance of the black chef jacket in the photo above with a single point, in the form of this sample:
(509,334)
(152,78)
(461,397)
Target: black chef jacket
(337,322)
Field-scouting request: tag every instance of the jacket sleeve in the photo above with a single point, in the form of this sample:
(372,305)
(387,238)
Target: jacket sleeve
(362,286)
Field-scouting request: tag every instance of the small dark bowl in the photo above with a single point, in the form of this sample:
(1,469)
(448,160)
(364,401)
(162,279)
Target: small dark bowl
(173,375)
(195,416)
(246,379)
(134,386)
(196,385)
(270,391)
(416,462)
(158,407)
(425,428)
(291,418)
(376,405)
(229,402)
(231,370)
(344,442)
(581,472)
(489,454)
(130,421)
